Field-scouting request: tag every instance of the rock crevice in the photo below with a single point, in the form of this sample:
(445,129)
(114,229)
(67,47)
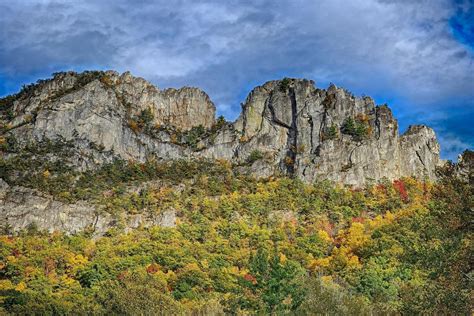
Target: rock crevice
(292,135)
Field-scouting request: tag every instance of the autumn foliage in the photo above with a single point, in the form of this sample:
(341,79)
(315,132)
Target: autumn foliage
(250,246)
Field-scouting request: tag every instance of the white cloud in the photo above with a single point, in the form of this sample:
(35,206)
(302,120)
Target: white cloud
(452,146)
(408,44)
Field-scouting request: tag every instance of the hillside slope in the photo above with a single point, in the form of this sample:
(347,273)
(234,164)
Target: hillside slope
(119,198)
(193,238)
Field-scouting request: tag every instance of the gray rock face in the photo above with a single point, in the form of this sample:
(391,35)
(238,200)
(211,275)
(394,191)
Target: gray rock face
(297,129)
(419,152)
(105,114)
(464,168)
(21,207)
(287,127)
(329,134)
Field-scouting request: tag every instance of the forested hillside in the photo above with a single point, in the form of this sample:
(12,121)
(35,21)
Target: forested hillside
(242,245)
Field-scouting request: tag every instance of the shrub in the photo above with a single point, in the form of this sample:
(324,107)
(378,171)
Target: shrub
(137,295)
(8,144)
(399,185)
(284,84)
(146,117)
(106,80)
(289,161)
(328,298)
(6,105)
(279,282)
(194,135)
(254,156)
(221,122)
(133,125)
(330,132)
(358,129)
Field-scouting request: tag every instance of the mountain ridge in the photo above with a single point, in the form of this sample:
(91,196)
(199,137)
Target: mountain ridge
(59,134)
(297,128)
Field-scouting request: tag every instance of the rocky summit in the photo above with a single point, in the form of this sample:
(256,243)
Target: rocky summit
(287,127)
(83,122)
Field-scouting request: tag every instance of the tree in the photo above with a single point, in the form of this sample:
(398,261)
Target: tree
(275,282)
(324,297)
(358,128)
(146,117)
(137,294)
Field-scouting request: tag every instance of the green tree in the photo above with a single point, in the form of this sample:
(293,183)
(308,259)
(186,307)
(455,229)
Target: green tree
(145,118)
(137,295)
(276,284)
(328,298)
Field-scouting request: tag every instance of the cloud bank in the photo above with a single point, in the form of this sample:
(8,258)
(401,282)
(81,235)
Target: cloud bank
(416,55)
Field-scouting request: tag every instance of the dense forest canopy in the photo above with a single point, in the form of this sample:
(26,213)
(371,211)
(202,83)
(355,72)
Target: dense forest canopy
(243,245)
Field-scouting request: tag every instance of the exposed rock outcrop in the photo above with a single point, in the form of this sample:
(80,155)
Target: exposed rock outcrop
(20,208)
(299,130)
(102,116)
(329,134)
(287,127)
(464,168)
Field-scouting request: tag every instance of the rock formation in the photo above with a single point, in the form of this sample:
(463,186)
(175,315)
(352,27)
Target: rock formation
(21,207)
(287,127)
(330,134)
(296,128)
(464,168)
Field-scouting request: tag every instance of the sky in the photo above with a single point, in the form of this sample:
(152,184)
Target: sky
(417,56)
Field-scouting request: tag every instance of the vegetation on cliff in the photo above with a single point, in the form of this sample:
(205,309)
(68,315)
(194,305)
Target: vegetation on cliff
(244,246)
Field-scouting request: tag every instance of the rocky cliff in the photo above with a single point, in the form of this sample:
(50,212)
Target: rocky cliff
(330,134)
(287,127)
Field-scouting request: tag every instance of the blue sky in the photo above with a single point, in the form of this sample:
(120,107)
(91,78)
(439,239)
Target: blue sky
(417,56)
